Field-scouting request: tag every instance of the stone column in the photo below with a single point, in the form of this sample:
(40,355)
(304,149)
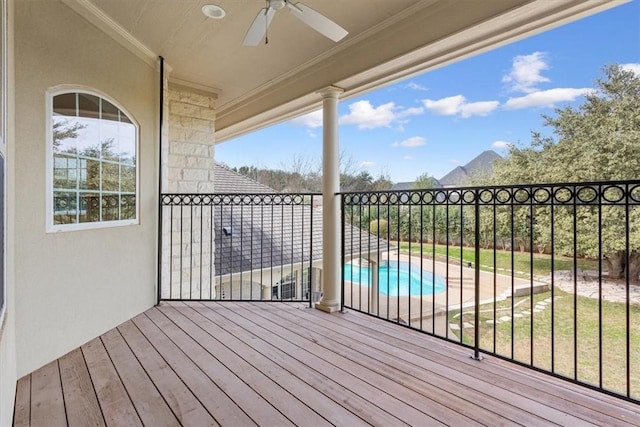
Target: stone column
(331,233)
(188,162)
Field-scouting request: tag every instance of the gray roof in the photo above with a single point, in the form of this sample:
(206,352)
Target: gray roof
(483,163)
(402,186)
(226,180)
(266,232)
(407,186)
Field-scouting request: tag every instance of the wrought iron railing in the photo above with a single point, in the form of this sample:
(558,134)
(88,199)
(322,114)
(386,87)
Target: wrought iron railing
(257,247)
(546,276)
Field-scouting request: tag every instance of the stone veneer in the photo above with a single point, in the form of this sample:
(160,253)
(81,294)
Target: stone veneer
(188,162)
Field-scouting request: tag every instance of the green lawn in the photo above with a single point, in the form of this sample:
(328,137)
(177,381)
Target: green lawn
(584,333)
(503,259)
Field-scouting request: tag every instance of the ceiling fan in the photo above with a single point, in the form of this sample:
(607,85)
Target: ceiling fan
(312,18)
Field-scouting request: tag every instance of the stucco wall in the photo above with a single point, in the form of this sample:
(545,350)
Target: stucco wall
(73,286)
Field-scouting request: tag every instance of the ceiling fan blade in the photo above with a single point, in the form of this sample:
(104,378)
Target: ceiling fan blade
(317,21)
(258,28)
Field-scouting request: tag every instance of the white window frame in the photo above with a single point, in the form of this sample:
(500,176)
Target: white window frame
(55,228)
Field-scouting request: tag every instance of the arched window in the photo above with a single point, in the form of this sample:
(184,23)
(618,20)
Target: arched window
(93,152)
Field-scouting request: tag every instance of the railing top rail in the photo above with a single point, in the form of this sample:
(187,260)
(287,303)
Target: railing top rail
(578,193)
(555,185)
(235,199)
(244,194)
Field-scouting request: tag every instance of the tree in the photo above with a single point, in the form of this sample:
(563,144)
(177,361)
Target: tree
(382,183)
(424,181)
(65,129)
(598,141)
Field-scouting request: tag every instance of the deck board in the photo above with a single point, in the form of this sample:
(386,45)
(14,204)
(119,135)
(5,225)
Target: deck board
(149,403)
(339,392)
(237,364)
(513,380)
(455,396)
(269,388)
(338,370)
(79,395)
(209,377)
(115,403)
(22,410)
(417,409)
(47,401)
(188,410)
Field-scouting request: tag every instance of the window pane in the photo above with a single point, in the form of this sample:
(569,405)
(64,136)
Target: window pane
(110,176)
(64,207)
(64,172)
(65,133)
(88,106)
(109,140)
(124,118)
(110,207)
(128,179)
(127,206)
(89,207)
(109,111)
(90,177)
(64,104)
(127,148)
(88,137)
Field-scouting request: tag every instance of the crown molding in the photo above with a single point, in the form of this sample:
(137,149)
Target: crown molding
(196,87)
(97,17)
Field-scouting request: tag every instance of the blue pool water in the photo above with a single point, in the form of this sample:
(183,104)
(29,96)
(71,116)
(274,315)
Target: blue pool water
(396,281)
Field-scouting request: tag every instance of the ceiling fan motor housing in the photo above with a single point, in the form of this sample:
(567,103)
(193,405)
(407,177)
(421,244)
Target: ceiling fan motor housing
(277,4)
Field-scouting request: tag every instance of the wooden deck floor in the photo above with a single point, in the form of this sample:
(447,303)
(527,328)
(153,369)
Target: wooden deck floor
(238,364)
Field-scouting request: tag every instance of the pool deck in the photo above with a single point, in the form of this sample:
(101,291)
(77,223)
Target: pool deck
(429,312)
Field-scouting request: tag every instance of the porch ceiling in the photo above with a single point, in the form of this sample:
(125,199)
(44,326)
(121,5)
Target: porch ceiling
(257,86)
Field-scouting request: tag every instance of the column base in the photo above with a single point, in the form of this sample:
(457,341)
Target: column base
(328,307)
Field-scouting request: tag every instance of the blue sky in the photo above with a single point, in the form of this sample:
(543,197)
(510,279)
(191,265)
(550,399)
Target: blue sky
(443,118)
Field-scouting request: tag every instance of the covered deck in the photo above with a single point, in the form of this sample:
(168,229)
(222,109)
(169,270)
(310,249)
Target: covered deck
(270,364)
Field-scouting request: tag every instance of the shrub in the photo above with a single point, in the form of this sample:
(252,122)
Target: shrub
(379,227)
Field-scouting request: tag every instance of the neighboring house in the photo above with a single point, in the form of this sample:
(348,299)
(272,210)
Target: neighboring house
(403,186)
(266,252)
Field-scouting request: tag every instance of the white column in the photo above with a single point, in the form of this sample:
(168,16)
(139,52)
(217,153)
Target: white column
(374,287)
(331,232)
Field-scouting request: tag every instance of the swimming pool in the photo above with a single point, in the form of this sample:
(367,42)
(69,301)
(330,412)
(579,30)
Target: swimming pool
(394,281)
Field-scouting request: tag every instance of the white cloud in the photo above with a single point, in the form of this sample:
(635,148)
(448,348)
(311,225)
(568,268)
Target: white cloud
(366,116)
(454,161)
(311,120)
(525,73)
(367,164)
(546,98)
(408,112)
(417,86)
(445,106)
(501,144)
(482,108)
(631,67)
(407,158)
(458,105)
(414,141)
